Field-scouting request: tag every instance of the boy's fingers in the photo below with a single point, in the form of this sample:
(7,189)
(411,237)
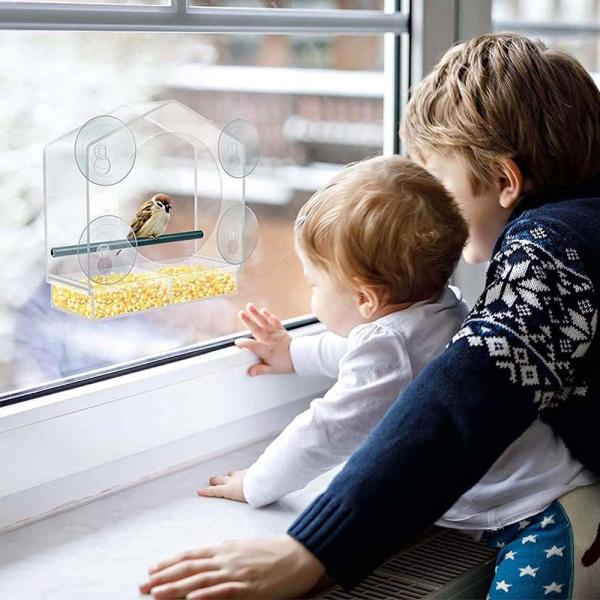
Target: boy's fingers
(259,317)
(214,491)
(243,343)
(187,555)
(249,321)
(218,479)
(179,589)
(275,321)
(260,369)
(232,589)
(180,570)
(269,317)
(255,346)
(256,328)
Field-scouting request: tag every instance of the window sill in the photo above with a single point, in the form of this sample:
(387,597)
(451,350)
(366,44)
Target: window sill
(75,446)
(103,550)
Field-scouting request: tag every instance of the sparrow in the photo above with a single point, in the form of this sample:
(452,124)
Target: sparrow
(152,217)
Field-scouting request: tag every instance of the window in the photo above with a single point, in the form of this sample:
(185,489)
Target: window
(572,25)
(317,94)
(307,4)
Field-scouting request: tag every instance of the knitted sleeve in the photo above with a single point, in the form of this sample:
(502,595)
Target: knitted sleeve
(520,353)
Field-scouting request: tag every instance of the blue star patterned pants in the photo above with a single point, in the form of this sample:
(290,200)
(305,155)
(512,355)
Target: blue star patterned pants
(553,555)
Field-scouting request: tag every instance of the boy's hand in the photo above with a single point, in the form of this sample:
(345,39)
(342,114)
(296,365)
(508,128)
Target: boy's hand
(229,486)
(271,341)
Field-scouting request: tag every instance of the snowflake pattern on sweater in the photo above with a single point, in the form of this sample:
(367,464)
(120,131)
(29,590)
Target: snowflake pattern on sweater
(537,316)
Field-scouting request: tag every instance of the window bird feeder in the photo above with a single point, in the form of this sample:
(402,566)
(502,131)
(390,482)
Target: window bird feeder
(97,177)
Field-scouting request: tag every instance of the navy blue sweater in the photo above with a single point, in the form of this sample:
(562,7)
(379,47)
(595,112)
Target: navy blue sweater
(528,349)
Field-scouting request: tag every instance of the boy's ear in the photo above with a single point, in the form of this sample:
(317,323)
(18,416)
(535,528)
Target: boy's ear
(367,302)
(511,183)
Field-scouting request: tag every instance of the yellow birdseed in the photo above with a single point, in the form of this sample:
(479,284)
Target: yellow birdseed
(112,295)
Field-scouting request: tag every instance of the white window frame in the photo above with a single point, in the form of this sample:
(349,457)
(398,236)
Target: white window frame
(180,16)
(70,447)
(75,445)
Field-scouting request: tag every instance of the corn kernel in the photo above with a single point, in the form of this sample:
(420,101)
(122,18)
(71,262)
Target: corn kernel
(112,295)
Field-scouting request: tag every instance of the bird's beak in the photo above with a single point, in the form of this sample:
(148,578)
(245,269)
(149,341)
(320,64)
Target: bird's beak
(168,208)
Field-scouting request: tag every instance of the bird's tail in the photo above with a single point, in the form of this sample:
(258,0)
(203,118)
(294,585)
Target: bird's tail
(129,237)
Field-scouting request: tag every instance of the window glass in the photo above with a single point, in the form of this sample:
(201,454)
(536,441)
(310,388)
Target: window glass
(130,2)
(308,4)
(555,13)
(315,101)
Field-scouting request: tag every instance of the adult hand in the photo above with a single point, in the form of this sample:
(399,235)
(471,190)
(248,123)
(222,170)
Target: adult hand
(277,567)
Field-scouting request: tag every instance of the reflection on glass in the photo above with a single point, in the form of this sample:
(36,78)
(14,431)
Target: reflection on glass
(583,12)
(315,101)
(130,2)
(308,4)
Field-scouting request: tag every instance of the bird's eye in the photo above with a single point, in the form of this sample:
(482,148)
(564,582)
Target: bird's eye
(159,203)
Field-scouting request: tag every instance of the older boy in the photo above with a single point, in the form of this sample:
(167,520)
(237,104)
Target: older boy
(513,129)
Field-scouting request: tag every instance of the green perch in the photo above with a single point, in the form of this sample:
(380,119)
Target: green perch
(124,243)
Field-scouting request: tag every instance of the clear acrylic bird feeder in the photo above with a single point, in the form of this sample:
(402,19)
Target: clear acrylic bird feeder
(97,176)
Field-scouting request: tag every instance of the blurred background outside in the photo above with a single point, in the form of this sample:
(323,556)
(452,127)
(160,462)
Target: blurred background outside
(315,100)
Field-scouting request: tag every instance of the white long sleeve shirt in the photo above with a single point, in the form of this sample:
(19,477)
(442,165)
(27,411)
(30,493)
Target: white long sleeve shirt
(536,469)
(372,366)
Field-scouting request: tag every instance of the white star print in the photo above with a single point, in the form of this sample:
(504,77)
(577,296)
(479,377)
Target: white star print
(554,551)
(529,538)
(547,521)
(528,570)
(553,587)
(510,555)
(523,524)
(500,544)
(502,585)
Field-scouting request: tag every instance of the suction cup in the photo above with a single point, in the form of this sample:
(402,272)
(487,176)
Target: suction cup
(239,148)
(105,150)
(112,250)
(237,234)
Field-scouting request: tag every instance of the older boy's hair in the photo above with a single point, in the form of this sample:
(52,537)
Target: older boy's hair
(384,223)
(507,96)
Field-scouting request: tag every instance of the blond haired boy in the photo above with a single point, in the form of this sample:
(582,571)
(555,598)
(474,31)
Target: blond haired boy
(512,128)
(378,244)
